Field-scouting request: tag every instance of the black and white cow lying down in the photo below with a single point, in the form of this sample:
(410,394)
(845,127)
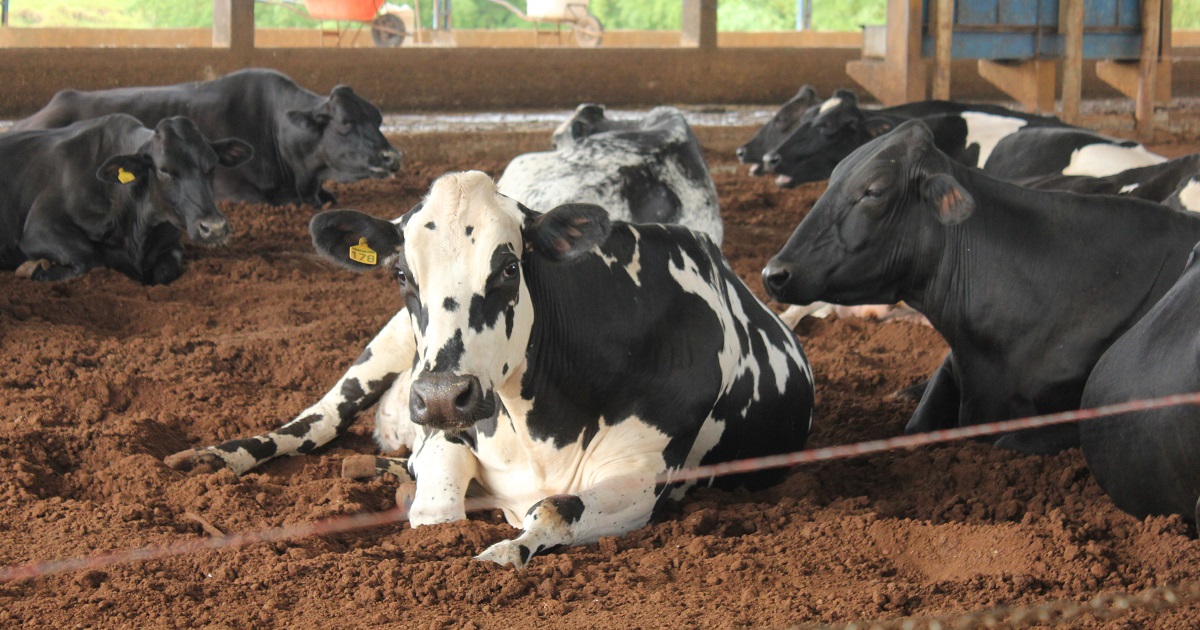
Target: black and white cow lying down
(300,138)
(109,192)
(1170,183)
(1027,287)
(559,361)
(966,132)
(1048,151)
(649,170)
(796,111)
(1149,461)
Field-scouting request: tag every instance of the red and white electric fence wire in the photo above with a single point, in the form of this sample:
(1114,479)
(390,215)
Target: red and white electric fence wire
(396,515)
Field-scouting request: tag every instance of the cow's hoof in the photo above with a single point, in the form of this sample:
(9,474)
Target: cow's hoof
(507,552)
(195,461)
(30,267)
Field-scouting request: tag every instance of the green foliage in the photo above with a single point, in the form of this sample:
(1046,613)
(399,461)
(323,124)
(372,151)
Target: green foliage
(71,13)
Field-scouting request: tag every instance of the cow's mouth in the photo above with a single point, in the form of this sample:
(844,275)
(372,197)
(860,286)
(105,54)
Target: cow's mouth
(756,169)
(785,181)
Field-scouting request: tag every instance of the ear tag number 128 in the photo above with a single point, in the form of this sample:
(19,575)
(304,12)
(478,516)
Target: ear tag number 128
(362,254)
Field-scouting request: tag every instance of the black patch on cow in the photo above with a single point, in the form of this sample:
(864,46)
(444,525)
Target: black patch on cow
(351,389)
(509,317)
(449,355)
(470,228)
(307,446)
(450,304)
(487,426)
(260,450)
(499,294)
(431,226)
(569,507)
(504,370)
(650,201)
(524,554)
(300,427)
(364,357)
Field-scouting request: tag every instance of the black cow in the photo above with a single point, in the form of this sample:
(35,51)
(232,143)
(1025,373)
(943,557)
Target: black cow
(300,139)
(646,170)
(1027,287)
(1149,461)
(1047,151)
(966,132)
(558,361)
(797,111)
(108,192)
(1166,183)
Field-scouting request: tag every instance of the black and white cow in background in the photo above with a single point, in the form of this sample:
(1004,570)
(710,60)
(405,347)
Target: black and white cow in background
(1046,151)
(1027,287)
(108,192)
(300,139)
(559,361)
(648,170)
(966,132)
(1149,461)
(1166,183)
(795,112)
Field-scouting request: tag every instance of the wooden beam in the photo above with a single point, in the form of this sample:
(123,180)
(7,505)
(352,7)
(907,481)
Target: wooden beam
(233,25)
(1151,31)
(1030,83)
(1070,24)
(944,39)
(1123,75)
(698,27)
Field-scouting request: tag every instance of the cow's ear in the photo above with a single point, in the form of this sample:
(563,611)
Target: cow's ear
(876,127)
(124,169)
(847,97)
(232,152)
(313,121)
(341,88)
(568,230)
(807,95)
(355,240)
(950,200)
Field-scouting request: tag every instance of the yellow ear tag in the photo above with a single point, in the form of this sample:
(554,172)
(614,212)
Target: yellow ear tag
(362,254)
(124,176)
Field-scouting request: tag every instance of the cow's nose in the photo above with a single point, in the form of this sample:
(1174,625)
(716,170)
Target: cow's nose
(392,159)
(445,400)
(212,229)
(741,154)
(770,161)
(775,278)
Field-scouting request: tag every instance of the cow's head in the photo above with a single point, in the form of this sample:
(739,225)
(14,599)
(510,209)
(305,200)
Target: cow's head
(171,176)
(862,242)
(588,119)
(810,153)
(342,134)
(797,111)
(458,258)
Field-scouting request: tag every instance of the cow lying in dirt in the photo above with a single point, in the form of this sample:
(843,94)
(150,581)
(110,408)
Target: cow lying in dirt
(561,362)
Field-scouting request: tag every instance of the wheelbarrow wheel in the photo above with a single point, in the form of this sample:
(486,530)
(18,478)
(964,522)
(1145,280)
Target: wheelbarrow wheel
(588,31)
(387,31)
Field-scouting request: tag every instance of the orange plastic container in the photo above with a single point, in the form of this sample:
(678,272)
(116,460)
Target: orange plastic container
(356,10)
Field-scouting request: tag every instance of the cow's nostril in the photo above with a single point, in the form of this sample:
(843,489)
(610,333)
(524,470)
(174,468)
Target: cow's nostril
(775,278)
(466,398)
(741,153)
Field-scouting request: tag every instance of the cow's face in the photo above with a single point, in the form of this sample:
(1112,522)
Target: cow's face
(344,134)
(862,241)
(588,119)
(800,109)
(811,152)
(458,258)
(172,174)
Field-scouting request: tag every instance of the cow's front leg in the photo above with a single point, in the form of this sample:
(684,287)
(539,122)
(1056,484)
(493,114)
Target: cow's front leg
(611,507)
(43,270)
(386,362)
(443,471)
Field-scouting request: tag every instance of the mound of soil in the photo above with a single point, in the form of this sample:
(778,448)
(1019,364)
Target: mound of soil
(101,378)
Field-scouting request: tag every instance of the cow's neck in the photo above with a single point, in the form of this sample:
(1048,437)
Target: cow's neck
(296,164)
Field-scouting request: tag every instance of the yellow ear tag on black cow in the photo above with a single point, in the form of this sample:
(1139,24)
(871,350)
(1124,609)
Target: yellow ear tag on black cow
(362,254)
(124,176)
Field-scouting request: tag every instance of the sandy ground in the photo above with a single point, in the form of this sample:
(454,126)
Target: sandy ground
(100,378)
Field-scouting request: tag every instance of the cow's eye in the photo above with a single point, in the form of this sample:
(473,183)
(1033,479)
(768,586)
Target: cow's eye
(511,270)
(874,191)
(401,277)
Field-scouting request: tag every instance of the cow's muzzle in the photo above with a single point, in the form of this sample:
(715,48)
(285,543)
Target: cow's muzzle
(779,279)
(212,231)
(390,161)
(449,401)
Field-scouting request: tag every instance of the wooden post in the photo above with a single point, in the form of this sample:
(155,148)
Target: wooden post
(233,25)
(900,77)
(944,39)
(699,24)
(1070,24)
(1030,83)
(1148,70)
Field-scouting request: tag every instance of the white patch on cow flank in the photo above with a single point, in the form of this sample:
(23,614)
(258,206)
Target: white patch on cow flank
(986,130)
(829,104)
(1128,188)
(1104,159)
(1189,195)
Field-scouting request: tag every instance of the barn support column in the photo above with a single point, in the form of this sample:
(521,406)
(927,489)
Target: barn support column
(699,24)
(900,77)
(233,26)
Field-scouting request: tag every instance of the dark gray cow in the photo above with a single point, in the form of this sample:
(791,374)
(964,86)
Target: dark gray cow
(1158,182)
(1047,151)
(648,170)
(797,111)
(1028,287)
(1149,461)
(109,192)
(558,361)
(966,132)
(300,139)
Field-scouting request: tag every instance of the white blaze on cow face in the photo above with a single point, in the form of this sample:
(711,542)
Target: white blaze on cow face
(461,262)
(988,129)
(829,104)
(1189,195)
(1103,159)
